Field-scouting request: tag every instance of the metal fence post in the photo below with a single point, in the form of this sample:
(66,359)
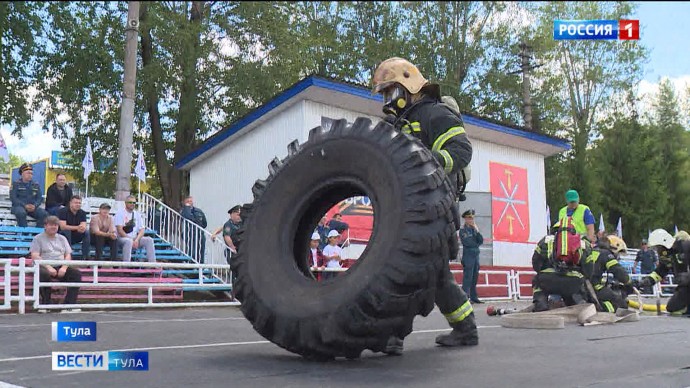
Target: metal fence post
(22,284)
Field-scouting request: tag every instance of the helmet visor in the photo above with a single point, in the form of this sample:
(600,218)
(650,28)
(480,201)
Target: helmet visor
(392,93)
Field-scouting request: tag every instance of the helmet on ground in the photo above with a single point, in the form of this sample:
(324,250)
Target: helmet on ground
(398,70)
(617,244)
(661,237)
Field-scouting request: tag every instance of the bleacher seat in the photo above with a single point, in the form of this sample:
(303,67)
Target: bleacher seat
(15,242)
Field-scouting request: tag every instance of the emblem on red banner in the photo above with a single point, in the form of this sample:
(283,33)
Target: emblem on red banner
(509,202)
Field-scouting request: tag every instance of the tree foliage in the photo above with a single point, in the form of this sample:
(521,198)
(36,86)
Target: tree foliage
(204,64)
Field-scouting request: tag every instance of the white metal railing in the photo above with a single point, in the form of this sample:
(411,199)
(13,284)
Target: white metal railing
(22,270)
(509,284)
(7,283)
(186,236)
(223,269)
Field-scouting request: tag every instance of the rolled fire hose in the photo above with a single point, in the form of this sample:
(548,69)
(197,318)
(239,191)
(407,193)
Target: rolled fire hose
(584,314)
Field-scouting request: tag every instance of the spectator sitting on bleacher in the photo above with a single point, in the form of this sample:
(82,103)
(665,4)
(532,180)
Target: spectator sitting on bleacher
(50,245)
(103,230)
(333,254)
(130,231)
(73,226)
(27,196)
(58,196)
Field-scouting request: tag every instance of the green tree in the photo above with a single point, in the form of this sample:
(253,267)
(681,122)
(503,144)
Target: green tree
(453,42)
(671,144)
(188,81)
(584,78)
(15,161)
(20,22)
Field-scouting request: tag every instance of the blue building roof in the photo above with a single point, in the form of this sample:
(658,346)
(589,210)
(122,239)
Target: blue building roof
(354,90)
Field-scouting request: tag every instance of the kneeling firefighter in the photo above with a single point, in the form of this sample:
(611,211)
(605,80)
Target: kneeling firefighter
(604,258)
(674,254)
(556,260)
(414,106)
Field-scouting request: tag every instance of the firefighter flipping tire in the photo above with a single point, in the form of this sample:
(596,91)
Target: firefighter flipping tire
(395,278)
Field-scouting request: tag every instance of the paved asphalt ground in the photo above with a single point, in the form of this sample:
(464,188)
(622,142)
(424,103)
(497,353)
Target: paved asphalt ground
(217,347)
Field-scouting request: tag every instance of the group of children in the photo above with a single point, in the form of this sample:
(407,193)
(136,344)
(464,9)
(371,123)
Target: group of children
(330,257)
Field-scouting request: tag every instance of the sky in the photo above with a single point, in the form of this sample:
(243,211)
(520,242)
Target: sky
(665,30)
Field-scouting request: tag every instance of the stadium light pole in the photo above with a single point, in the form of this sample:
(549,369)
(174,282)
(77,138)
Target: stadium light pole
(125,134)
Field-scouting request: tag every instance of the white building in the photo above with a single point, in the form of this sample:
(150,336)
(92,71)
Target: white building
(507,188)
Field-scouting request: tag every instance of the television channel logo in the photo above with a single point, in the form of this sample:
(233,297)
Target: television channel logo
(74,331)
(596,29)
(101,361)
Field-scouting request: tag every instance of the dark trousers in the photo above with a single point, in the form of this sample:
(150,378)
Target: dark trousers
(610,300)
(76,237)
(470,275)
(450,298)
(570,288)
(100,242)
(20,213)
(72,275)
(680,300)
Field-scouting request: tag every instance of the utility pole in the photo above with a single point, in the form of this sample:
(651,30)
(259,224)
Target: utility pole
(125,135)
(525,67)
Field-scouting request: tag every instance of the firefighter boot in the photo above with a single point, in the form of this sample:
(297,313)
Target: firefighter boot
(464,333)
(394,347)
(541,301)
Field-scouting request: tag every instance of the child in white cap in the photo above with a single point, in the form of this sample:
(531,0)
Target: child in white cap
(316,259)
(333,254)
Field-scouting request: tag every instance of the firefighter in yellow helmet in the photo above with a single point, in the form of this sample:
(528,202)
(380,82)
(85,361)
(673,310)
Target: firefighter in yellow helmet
(414,106)
(604,259)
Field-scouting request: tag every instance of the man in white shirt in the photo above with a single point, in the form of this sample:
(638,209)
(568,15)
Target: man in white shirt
(130,231)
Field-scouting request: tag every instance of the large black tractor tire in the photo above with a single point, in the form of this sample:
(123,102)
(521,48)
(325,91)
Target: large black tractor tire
(396,276)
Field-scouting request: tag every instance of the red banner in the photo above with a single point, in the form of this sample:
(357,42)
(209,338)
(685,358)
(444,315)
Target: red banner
(358,213)
(509,202)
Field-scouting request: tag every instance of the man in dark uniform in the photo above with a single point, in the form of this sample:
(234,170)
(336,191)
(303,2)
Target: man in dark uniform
(230,229)
(196,239)
(604,258)
(27,196)
(674,254)
(230,237)
(471,240)
(413,105)
(647,259)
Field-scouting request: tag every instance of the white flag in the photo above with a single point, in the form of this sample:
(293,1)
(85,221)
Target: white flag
(548,220)
(4,153)
(87,163)
(619,228)
(601,223)
(140,168)
(676,226)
